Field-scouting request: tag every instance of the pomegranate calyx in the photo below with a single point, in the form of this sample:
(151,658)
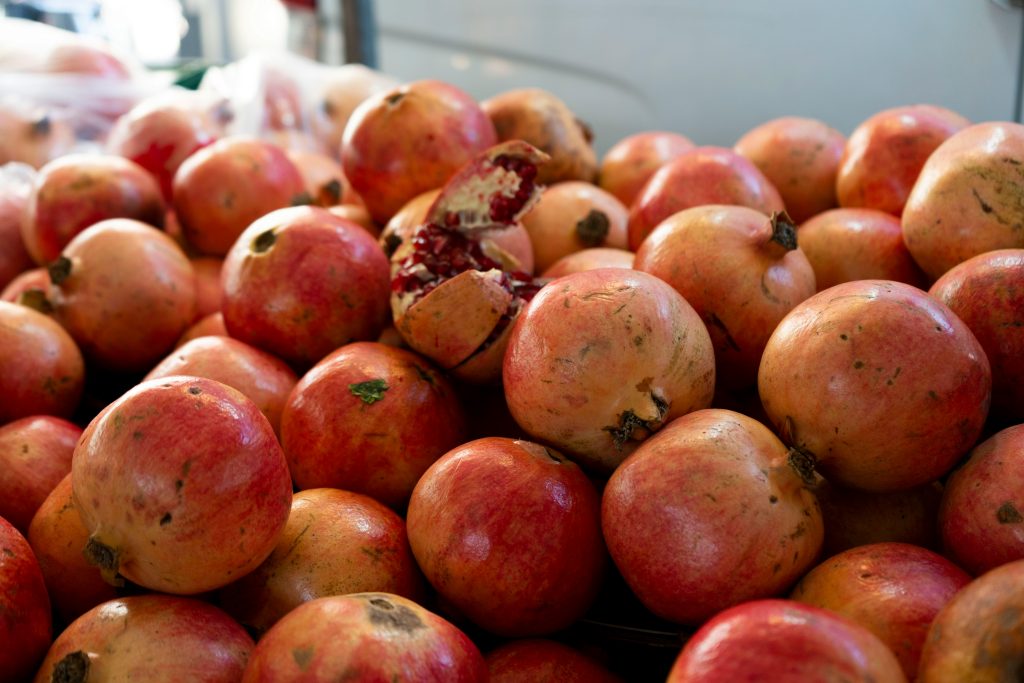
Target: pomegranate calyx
(629,422)
(106,558)
(59,270)
(73,668)
(783,230)
(802,461)
(592,229)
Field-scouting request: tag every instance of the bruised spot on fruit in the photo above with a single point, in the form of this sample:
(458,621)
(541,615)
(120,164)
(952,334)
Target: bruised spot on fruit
(370,391)
(59,270)
(1008,514)
(263,241)
(73,668)
(932,395)
(382,612)
(773,499)
(166,519)
(858,364)
(303,656)
(592,229)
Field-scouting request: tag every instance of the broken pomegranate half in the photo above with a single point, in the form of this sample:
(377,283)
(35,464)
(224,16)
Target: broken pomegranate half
(454,291)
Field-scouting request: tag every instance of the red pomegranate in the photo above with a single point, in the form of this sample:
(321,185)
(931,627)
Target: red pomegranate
(857,244)
(892,589)
(210,325)
(182,486)
(265,379)
(411,139)
(358,215)
(878,383)
(29,289)
(125,291)
(370,418)
(24,607)
(600,360)
(704,175)
(335,543)
(987,293)
(542,119)
(57,537)
(509,533)
(544,661)
(630,162)
(15,187)
(344,88)
(156,638)
(711,511)
(208,290)
(589,259)
(301,282)
(885,153)
(979,634)
(800,157)
(222,188)
(35,454)
(325,182)
(980,517)
(43,372)
(366,637)
(964,201)
(740,270)
(79,190)
(789,643)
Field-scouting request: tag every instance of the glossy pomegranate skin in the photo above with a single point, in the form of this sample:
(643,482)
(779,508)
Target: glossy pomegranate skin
(15,187)
(400,143)
(987,293)
(590,259)
(544,661)
(367,637)
(208,291)
(25,622)
(509,533)
(302,282)
(57,537)
(43,372)
(78,190)
(785,642)
(800,156)
(978,634)
(630,162)
(125,292)
(370,418)
(704,175)
(181,515)
(708,513)
(884,155)
(335,543)
(35,454)
(879,382)
(980,516)
(892,589)
(210,325)
(159,638)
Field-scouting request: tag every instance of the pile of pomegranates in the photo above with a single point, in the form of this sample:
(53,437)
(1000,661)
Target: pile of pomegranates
(437,393)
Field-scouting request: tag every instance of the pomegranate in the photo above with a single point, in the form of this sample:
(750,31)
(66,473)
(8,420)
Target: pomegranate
(301,282)
(29,289)
(879,384)
(208,290)
(885,153)
(15,186)
(324,180)
(857,244)
(630,162)
(704,175)
(335,543)
(589,259)
(964,201)
(43,372)
(24,607)
(35,454)
(366,637)
(370,418)
(600,360)
(32,136)
(854,518)
(78,190)
(980,516)
(180,515)
(708,513)
(800,157)
(265,379)
(125,292)
(977,636)
(740,270)
(211,325)
(411,139)
(454,292)
(156,638)
(544,661)
(543,120)
(358,215)
(344,89)
(57,537)
(987,293)
(571,216)
(509,533)
(892,589)
(787,641)
(222,188)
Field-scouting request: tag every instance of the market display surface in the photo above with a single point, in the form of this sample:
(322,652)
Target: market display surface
(340,378)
